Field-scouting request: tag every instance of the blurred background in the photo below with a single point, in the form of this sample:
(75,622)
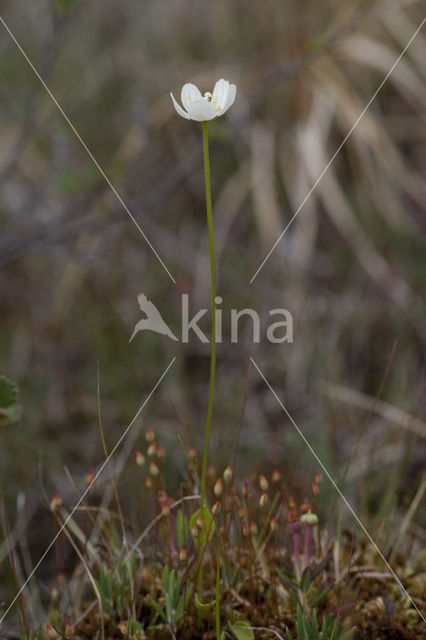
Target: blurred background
(351,268)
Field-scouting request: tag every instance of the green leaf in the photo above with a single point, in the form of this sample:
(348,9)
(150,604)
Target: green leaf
(203,608)
(347,635)
(242,630)
(208,529)
(8,393)
(182,529)
(306,579)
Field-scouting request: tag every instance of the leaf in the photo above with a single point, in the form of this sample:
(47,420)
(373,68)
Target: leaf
(347,635)
(182,529)
(203,608)
(306,579)
(8,393)
(242,630)
(208,529)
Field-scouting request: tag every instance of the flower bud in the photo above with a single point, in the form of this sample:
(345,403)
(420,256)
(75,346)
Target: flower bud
(149,435)
(123,628)
(51,633)
(318,477)
(263,483)
(276,476)
(241,512)
(165,510)
(200,522)
(263,500)
(89,478)
(161,452)
(140,459)
(253,528)
(152,450)
(192,453)
(246,528)
(68,630)
(274,525)
(216,508)
(309,519)
(305,506)
(195,531)
(56,502)
(315,488)
(227,475)
(153,469)
(182,554)
(148,482)
(218,488)
(245,489)
(291,503)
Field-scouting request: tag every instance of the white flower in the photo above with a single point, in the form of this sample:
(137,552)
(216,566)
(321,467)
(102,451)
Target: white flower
(208,106)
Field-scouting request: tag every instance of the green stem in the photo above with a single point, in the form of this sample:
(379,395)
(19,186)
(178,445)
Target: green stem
(213,294)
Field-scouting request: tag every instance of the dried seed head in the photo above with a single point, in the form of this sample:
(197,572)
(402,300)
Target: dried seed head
(274,525)
(218,488)
(149,435)
(140,459)
(276,476)
(153,469)
(263,500)
(56,502)
(263,483)
(216,508)
(182,554)
(227,475)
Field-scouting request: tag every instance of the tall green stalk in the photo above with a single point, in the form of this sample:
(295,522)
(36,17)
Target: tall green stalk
(213,295)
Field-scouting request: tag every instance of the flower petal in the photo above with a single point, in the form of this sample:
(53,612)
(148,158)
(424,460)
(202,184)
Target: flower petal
(220,92)
(202,110)
(190,93)
(179,109)
(229,100)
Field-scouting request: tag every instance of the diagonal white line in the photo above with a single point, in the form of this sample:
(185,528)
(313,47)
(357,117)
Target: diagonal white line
(403,589)
(96,163)
(339,148)
(102,467)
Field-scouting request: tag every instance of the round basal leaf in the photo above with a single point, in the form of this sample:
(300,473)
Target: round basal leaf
(203,608)
(242,630)
(8,393)
(207,530)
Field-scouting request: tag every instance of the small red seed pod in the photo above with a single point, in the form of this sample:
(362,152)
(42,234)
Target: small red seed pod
(192,453)
(165,510)
(89,478)
(274,525)
(241,512)
(263,500)
(55,502)
(245,489)
(291,503)
(276,476)
(211,471)
(152,450)
(227,475)
(216,508)
(149,435)
(153,469)
(140,459)
(218,488)
(148,482)
(68,630)
(253,528)
(51,633)
(123,628)
(161,452)
(315,488)
(263,483)
(246,528)
(195,531)
(183,554)
(318,477)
